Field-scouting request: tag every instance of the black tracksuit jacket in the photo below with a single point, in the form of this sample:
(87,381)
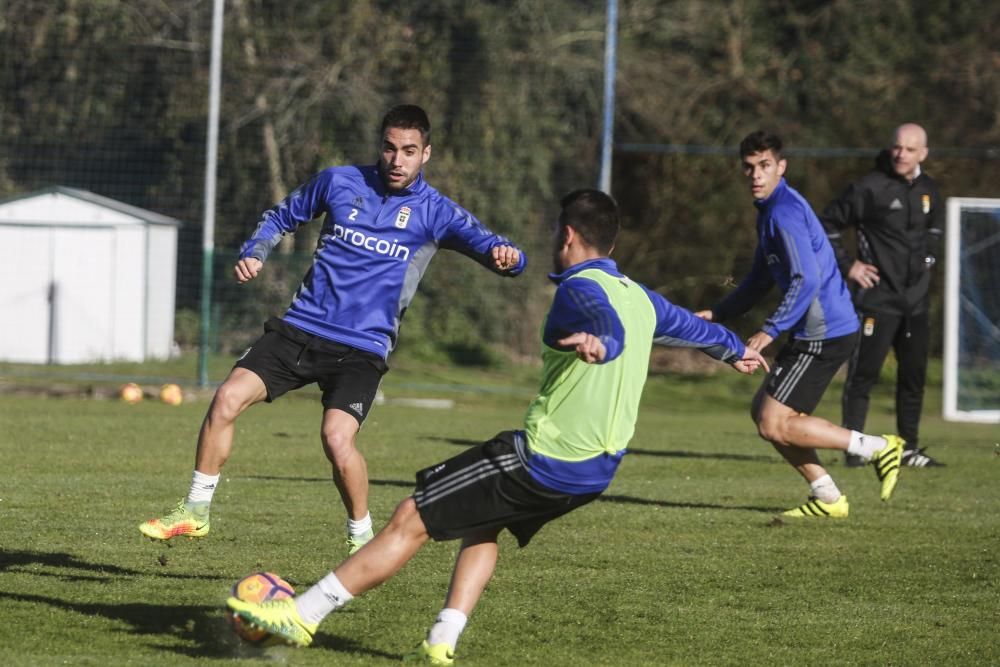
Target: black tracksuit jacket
(899,230)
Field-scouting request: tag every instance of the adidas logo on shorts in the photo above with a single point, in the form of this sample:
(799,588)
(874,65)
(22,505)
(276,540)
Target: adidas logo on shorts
(358,407)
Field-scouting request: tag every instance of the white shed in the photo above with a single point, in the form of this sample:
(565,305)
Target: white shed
(85,278)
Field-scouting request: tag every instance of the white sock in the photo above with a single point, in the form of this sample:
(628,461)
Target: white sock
(324,597)
(447,628)
(359,527)
(864,445)
(825,489)
(202,487)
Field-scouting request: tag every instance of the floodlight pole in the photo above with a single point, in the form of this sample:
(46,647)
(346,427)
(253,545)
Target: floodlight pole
(610,55)
(208,225)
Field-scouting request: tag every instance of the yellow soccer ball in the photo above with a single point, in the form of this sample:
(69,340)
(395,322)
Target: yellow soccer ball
(258,587)
(130,393)
(171,394)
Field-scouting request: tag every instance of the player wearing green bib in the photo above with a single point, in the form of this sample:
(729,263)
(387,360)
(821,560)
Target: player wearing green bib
(596,342)
(562,421)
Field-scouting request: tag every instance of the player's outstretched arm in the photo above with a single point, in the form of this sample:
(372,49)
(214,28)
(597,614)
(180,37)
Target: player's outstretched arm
(751,361)
(456,229)
(247,269)
(587,346)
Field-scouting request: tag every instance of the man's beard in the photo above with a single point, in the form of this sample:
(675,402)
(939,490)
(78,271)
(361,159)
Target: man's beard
(394,187)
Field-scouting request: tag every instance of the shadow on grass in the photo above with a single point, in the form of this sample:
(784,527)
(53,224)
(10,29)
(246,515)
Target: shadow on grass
(606,498)
(404,484)
(204,630)
(755,458)
(629,500)
(13,560)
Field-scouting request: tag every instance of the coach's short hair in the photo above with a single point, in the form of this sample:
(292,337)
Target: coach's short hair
(593,215)
(408,117)
(760,141)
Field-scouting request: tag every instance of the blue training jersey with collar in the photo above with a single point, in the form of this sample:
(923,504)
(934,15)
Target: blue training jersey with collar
(794,252)
(582,305)
(373,250)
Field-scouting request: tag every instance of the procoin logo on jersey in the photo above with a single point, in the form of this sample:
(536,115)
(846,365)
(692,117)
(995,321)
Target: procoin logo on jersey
(370,243)
(403,217)
(925,203)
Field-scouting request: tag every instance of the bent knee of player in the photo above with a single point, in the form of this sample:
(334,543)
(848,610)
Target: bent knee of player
(338,442)
(405,511)
(772,426)
(768,431)
(229,402)
(338,433)
(406,520)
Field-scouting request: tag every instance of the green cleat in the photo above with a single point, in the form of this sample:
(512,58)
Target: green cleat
(439,654)
(182,520)
(355,542)
(887,462)
(815,507)
(277,617)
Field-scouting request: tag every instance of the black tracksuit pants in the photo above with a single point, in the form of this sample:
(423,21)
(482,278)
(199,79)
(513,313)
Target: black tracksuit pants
(909,339)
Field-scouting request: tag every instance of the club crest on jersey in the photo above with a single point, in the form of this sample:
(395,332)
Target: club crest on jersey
(403,217)
(925,203)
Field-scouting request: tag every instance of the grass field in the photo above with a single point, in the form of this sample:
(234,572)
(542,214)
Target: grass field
(681,563)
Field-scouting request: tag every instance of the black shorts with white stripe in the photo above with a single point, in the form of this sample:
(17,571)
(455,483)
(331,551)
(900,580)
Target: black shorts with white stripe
(286,358)
(803,369)
(488,487)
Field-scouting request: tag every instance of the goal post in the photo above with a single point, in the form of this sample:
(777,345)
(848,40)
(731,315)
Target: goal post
(972,311)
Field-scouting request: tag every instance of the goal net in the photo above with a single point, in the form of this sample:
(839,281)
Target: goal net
(972,311)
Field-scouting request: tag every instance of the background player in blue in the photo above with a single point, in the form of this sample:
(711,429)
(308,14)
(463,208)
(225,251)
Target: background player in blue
(382,225)
(794,253)
(596,342)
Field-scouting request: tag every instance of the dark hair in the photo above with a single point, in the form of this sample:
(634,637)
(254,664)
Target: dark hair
(408,117)
(760,141)
(593,215)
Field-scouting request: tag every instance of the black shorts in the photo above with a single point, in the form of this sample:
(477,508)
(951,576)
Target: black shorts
(487,487)
(288,358)
(803,369)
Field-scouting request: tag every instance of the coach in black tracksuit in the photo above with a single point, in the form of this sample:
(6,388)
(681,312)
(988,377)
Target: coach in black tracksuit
(896,211)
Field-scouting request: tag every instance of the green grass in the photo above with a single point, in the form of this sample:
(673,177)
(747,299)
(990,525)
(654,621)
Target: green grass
(681,563)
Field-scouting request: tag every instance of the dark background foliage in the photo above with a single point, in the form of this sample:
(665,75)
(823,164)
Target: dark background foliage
(111,96)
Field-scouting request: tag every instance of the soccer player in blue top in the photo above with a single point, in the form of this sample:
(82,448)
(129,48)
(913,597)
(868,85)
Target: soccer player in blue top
(794,253)
(596,342)
(383,223)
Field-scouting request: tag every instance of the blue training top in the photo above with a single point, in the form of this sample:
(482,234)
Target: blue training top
(372,252)
(793,252)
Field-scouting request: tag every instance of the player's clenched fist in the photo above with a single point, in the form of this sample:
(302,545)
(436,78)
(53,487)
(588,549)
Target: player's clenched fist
(247,269)
(505,257)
